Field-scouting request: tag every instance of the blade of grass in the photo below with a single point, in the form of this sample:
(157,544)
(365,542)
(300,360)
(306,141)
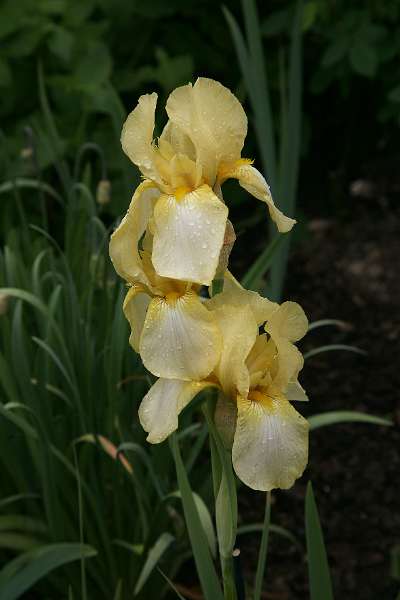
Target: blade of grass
(262,555)
(332,347)
(23,572)
(205,567)
(154,555)
(345,416)
(318,567)
(261,265)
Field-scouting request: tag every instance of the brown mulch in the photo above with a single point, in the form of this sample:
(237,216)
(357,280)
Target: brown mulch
(346,270)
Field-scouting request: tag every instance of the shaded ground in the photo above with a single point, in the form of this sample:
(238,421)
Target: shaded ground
(350,272)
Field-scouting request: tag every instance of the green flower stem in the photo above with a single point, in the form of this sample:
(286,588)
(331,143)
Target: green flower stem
(263,549)
(225,501)
(228,577)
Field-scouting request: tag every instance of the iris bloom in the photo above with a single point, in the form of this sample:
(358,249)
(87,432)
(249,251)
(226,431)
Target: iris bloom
(199,148)
(175,334)
(257,373)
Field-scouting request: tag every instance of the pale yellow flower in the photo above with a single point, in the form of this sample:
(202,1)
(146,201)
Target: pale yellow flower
(199,148)
(258,374)
(175,334)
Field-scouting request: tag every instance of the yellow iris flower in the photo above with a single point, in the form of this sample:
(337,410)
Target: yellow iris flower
(175,334)
(199,148)
(258,376)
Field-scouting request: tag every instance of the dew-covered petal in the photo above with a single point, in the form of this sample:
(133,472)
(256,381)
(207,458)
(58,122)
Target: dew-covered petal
(239,331)
(124,241)
(288,322)
(214,120)
(135,308)
(188,235)
(180,338)
(235,294)
(253,182)
(161,406)
(270,448)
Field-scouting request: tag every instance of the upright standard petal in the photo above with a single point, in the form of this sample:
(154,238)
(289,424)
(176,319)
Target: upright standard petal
(235,294)
(180,338)
(253,182)
(137,135)
(270,447)
(135,308)
(188,235)
(161,406)
(239,331)
(289,322)
(178,140)
(214,120)
(124,241)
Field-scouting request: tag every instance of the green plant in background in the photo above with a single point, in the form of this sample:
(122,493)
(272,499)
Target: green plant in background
(69,386)
(87,509)
(281,163)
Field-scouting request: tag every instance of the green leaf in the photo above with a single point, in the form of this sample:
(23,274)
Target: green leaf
(5,74)
(259,527)
(276,23)
(331,347)
(154,555)
(394,94)
(262,555)
(94,68)
(23,572)
(364,59)
(318,567)
(324,322)
(335,52)
(345,416)
(395,562)
(205,518)
(251,279)
(171,585)
(205,567)
(310,11)
(61,43)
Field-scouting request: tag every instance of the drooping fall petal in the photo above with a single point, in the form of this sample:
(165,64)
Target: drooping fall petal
(161,406)
(252,181)
(124,241)
(180,338)
(270,447)
(188,235)
(135,308)
(213,118)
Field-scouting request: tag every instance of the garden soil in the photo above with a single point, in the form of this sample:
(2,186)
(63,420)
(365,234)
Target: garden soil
(348,271)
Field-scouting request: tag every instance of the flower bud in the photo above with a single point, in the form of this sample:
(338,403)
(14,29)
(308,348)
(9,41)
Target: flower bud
(103,193)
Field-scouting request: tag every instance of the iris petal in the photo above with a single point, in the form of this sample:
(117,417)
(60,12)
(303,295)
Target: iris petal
(180,338)
(214,120)
(137,135)
(270,448)
(124,241)
(161,406)
(188,235)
